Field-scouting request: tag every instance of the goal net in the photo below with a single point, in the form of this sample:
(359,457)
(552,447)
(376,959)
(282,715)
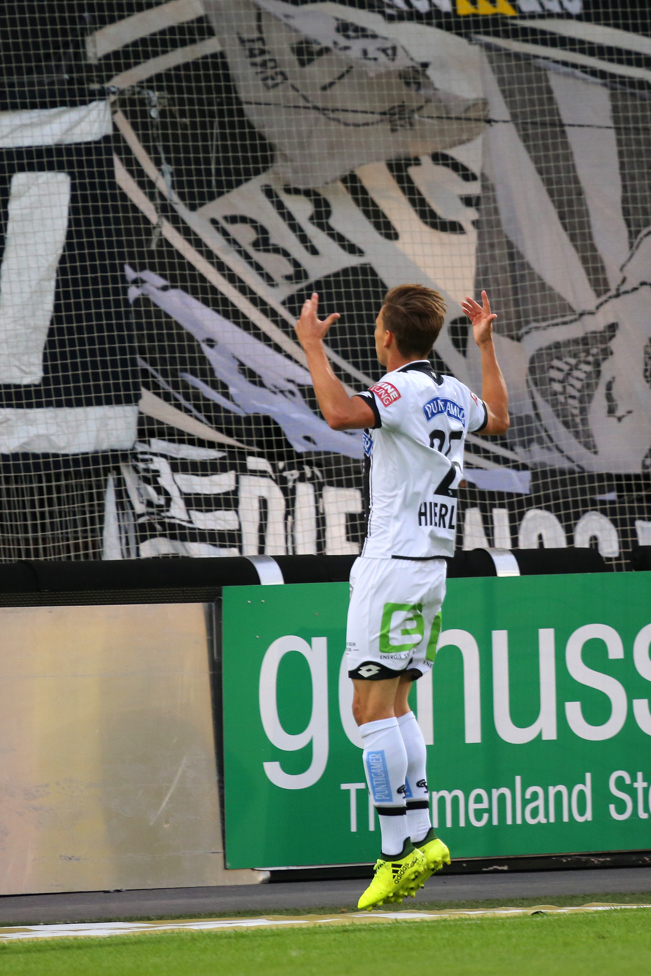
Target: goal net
(178,177)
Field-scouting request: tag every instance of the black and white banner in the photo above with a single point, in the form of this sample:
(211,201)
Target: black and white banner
(68,381)
(366,146)
(270,148)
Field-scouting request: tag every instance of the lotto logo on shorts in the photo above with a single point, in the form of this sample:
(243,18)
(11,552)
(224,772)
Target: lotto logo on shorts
(386,392)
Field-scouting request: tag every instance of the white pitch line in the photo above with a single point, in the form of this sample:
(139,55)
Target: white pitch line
(104,929)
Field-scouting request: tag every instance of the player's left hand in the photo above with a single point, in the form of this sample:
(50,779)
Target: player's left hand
(481,317)
(308,327)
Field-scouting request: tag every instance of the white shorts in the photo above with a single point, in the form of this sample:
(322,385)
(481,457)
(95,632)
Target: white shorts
(394,616)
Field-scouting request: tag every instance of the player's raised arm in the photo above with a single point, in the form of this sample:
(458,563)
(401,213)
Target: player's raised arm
(340,411)
(493,392)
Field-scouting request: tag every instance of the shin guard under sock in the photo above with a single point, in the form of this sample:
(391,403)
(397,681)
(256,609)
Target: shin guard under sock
(418,815)
(385,765)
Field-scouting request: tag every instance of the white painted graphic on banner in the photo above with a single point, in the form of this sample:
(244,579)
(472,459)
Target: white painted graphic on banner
(228,348)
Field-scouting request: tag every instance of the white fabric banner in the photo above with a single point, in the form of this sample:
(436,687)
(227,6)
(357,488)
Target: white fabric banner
(68,430)
(226,347)
(36,234)
(325,115)
(55,126)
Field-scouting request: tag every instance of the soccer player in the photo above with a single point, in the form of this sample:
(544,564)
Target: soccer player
(416,421)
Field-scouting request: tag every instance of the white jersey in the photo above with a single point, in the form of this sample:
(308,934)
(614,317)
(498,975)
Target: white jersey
(414,460)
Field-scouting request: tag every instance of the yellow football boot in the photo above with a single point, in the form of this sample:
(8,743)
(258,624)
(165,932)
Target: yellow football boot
(395,878)
(435,852)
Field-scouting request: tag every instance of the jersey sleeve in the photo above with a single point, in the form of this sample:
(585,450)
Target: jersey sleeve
(387,401)
(369,398)
(477,413)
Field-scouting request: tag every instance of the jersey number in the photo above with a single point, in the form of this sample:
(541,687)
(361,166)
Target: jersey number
(437,442)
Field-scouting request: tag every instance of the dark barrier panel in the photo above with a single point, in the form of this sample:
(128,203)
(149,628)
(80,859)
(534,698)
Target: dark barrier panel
(141,574)
(546,562)
(641,558)
(315,569)
(531,562)
(75,576)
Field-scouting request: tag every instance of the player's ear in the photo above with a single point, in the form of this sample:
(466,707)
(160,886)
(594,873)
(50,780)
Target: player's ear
(389,339)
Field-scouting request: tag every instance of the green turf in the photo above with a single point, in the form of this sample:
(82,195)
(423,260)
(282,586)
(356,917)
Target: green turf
(602,944)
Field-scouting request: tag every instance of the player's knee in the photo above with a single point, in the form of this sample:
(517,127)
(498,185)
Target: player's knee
(372,711)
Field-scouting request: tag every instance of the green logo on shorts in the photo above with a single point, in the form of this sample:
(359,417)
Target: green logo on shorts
(434,636)
(412,625)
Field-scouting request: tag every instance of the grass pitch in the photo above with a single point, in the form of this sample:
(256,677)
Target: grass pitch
(598,944)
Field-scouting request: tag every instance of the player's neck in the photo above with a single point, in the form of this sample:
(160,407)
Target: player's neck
(395,360)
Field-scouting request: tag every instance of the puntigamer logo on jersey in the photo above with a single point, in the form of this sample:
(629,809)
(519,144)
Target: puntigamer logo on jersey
(439,405)
(386,392)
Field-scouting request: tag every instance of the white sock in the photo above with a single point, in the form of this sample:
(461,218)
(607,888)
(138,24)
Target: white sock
(385,765)
(418,817)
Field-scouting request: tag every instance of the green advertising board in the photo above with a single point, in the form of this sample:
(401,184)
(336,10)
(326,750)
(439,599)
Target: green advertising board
(536,718)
